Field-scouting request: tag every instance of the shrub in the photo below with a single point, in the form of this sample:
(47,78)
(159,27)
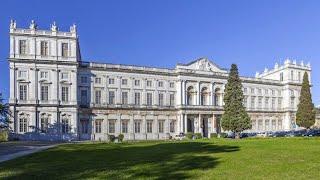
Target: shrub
(198,135)
(189,135)
(3,136)
(121,137)
(213,135)
(112,138)
(223,135)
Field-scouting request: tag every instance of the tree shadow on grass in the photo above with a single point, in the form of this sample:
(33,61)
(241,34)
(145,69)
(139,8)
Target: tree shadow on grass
(119,161)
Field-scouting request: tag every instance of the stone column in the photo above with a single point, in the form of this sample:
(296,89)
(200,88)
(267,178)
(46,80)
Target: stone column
(185,120)
(213,124)
(199,124)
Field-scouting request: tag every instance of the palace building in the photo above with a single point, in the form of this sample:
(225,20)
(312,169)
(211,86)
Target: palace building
(55,94)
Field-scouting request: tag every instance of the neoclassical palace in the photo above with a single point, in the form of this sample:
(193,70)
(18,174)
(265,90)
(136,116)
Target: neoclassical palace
(54,92)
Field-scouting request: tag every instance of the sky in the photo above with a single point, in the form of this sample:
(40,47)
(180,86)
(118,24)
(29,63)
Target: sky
(161,33)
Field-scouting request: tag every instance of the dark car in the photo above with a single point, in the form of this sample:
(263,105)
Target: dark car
(312,132)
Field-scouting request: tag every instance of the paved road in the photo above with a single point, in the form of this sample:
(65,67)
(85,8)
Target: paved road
(11,150)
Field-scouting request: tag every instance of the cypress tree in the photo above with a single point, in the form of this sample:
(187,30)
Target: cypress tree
(305,114)
(235,117)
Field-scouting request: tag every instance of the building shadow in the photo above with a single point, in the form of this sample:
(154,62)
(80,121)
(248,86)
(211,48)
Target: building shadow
(119,161)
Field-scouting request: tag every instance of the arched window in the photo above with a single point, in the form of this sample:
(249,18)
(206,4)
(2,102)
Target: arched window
(65,126)
(204,96)
(44,122)
(217,97)
(190,95)
(23,124)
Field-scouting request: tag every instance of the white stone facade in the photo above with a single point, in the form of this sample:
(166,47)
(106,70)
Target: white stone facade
(52,91)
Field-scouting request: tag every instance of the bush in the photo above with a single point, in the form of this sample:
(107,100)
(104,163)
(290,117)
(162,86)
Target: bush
(3,136)
(198,135)
(112,138)
(121,137)
(189,135)
(213,135)
(223,135)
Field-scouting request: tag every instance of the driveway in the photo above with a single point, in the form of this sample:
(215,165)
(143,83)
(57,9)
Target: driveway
(11,150)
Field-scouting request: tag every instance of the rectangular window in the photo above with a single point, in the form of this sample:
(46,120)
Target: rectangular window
(124,126)
(84,126)
(279,93)
(84,96)
(149,99)
(111,97)
(111,80)
(160,99)
(64,47)
(273,103)
(253,99)
(279,124)
(44,48)
(65,128)
(23,47)
(22,74)
(137,82)
(267,124)
(44,75)
(112,126)
(98,96)
(252,90)
(160,84)
(260,102)
(137,98)
(259,91)
(149,83)
(245,90)
(266,103)
(149,126)
(299,76)
(84,79)
(172,126)
(245,101)
(161,126)
(65,94)
(273,92)
(44,92)
(124,98)
(23,125)
(137,126)
(171,99)
(98,126)
(292,78)
(274,125)
(266,91)
(172,85)
(279,103)
(64,75)
(97,80)
(124,81)
(281,76)
(23,92)
(292,102)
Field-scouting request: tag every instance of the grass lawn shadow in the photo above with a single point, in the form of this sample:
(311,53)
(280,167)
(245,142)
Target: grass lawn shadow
(156,160)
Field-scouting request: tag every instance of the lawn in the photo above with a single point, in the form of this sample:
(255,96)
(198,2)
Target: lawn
(280,158)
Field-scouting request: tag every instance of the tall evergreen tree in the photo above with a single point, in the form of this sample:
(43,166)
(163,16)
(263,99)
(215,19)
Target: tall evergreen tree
(235,117)
(305,114)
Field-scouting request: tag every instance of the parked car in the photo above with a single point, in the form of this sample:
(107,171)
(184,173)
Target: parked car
(312,132)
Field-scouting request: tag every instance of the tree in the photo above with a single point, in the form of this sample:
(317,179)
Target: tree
(305,114)
(235,117)
(4,114)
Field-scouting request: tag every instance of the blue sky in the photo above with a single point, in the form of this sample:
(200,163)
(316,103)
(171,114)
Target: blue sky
(253,34)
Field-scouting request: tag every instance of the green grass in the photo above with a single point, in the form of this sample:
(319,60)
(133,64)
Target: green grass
(281,158)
